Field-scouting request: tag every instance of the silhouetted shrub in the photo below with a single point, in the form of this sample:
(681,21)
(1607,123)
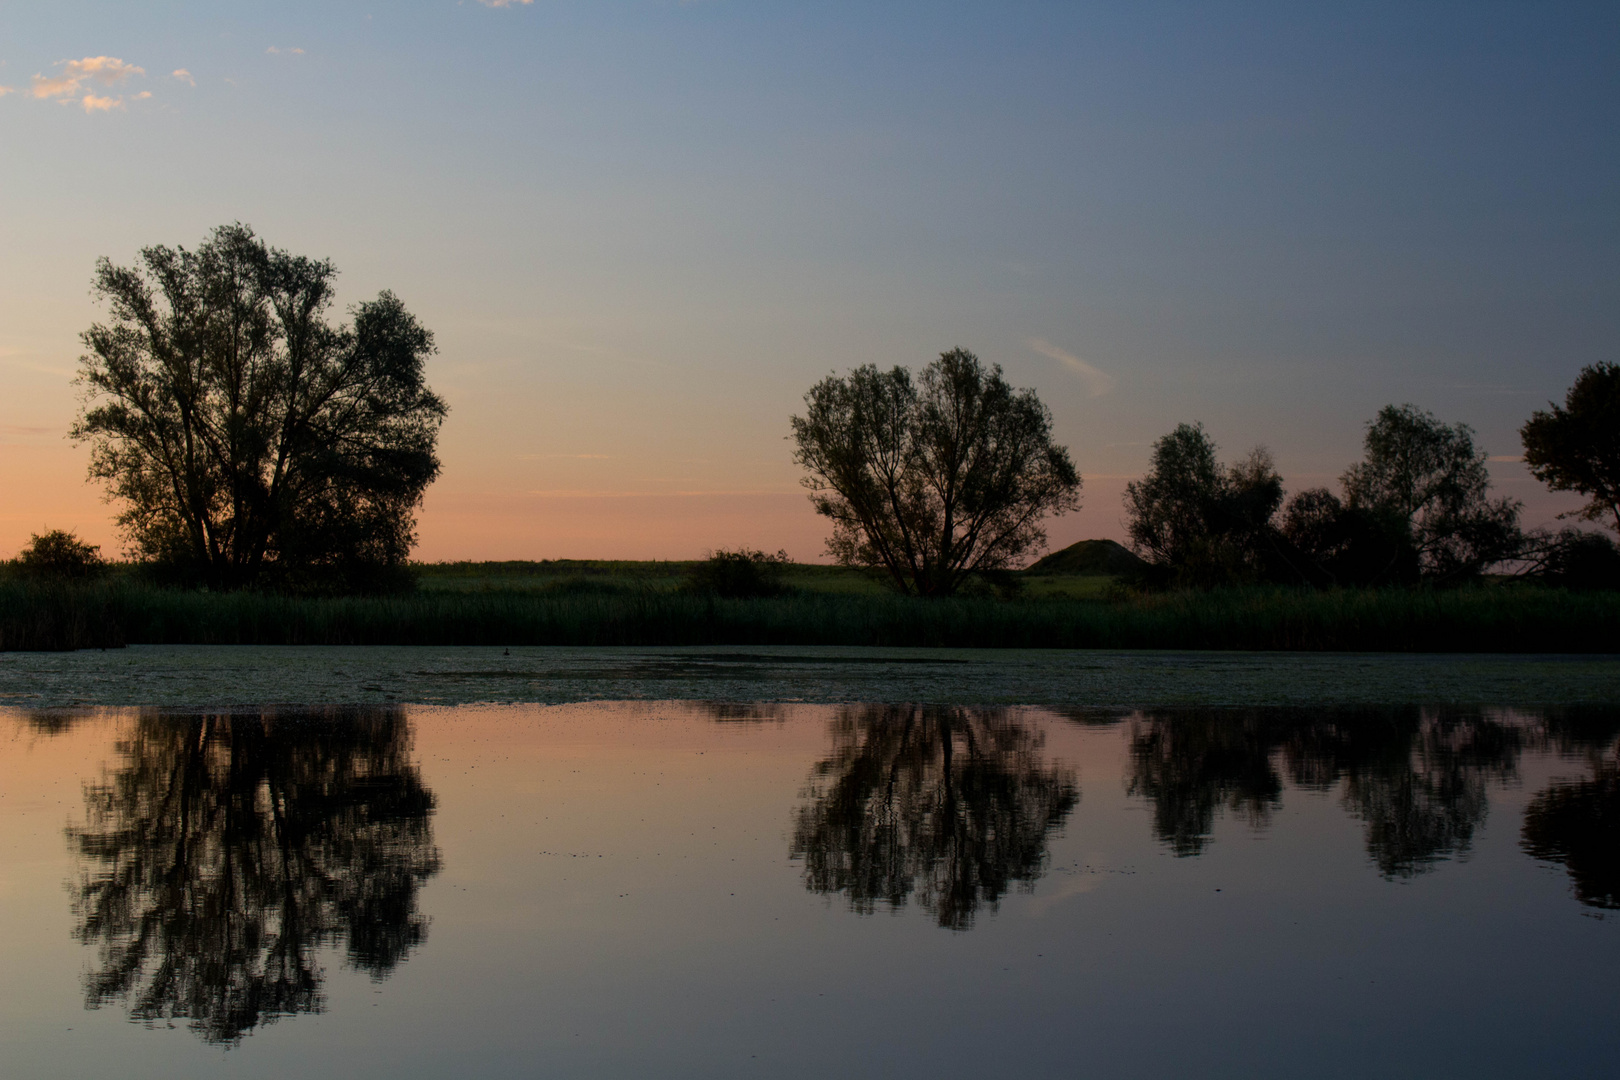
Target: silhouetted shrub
(740,574)
(1574,559)
(60,555)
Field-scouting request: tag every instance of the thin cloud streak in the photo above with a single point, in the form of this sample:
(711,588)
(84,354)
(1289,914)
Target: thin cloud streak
(1098,382)
(182,75)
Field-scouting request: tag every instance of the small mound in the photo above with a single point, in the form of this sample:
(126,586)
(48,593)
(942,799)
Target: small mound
(1089,558)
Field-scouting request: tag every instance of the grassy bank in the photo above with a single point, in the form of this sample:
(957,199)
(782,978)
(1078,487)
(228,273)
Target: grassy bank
(1488,618)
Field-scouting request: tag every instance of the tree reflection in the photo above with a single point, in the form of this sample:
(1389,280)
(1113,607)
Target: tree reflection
(1416,777)
(1578,823)
(225,850)
(951,805)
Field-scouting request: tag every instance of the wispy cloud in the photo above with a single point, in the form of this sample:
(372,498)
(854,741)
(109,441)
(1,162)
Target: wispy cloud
(4,90)
(106,70)
(504,3)
(1098,382)
(182,75)
(92,103)
(273,51)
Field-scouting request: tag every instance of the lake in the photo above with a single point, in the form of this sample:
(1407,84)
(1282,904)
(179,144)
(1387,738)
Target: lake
(807,862)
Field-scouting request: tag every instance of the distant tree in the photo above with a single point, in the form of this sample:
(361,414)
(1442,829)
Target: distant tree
(1577,447)
(932,481)
(249,440)
(59,554)
(1428,478)
(1201,521)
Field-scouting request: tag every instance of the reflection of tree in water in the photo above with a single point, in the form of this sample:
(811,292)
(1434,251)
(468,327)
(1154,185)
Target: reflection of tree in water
(1417,777)
(952,805)
(1577,823)
(225,850)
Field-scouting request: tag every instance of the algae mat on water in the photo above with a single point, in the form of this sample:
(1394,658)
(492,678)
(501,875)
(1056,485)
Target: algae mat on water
(183,676)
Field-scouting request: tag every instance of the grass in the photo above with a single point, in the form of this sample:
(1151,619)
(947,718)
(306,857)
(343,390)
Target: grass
(640,604)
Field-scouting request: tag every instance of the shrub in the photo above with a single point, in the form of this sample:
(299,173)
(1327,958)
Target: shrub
(60,554)
(740,574)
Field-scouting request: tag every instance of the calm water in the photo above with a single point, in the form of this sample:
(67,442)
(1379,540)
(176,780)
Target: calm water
(678,888)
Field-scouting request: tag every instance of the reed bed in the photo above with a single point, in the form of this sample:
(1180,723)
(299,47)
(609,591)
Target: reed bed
(1488,618)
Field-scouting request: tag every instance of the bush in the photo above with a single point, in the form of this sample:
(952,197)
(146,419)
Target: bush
(60,555)
(740,574)
(1575,559)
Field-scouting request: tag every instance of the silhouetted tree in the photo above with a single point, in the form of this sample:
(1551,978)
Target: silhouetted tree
(1577,447)
(936,480)
(249,440)
(1200,522)
(1427,478)
(952,805)
(225,850)
(1348,545)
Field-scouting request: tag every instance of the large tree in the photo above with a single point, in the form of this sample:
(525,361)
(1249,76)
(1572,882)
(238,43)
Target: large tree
(248,439)
(1202,522)
(933,480)
(1577,447)
(1427,478)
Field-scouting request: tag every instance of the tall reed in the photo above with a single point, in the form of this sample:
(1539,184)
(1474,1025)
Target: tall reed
(1482,619)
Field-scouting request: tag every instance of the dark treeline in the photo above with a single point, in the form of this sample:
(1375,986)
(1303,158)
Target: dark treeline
(1416,509)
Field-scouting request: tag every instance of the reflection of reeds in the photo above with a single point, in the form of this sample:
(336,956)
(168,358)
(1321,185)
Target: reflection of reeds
(1484,619)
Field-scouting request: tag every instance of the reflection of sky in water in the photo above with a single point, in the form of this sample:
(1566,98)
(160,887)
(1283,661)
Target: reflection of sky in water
(680,889)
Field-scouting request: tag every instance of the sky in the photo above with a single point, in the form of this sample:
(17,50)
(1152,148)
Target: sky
(641,230)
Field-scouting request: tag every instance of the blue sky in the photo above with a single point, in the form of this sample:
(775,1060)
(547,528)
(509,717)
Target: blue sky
(641,230)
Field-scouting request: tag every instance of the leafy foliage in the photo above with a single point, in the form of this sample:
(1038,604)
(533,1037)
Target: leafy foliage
(59,554)
(250,441)
(1199,521)
(934,480)
(1577,447)
(1572,558)
(740,574)
(1429,482)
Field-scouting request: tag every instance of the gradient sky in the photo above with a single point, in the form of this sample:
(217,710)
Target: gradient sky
(642,230)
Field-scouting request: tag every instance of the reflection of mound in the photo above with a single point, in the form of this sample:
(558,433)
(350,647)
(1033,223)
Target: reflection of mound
(226,849)
(954,805)
(1579,825)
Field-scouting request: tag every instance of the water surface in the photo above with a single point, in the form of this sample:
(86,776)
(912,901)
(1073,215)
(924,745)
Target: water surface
(738,889)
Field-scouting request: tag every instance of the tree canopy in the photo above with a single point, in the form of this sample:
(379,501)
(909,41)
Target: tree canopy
(1577,447)
(933,480)
(1205,522)
(1428,479)
(248,439)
